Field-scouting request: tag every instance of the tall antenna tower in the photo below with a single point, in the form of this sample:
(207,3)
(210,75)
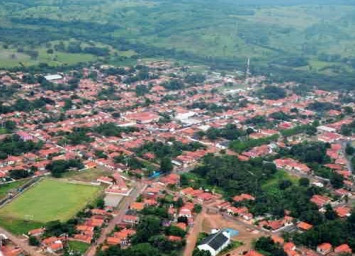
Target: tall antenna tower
(247,72)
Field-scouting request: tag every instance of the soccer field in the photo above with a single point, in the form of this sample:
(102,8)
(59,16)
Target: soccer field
(50,200)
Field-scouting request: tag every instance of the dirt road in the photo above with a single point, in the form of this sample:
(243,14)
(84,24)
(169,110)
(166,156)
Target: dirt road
(193,233)
(21,243)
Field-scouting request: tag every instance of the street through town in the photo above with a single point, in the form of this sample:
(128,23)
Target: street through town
(123,207)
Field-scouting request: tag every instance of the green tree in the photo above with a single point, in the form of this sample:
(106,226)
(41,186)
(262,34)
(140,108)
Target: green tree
(304,182)
(100,203)
(330,214)
(266,244)
(175,231)
(337,180)
(348,110)
(197,208)
(349,150)
(33,241)
(143,249)
(147,227)
(166,165)
(198,252)
(179,203)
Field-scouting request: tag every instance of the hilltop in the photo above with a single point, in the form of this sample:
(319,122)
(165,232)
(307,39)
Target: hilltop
(304,41)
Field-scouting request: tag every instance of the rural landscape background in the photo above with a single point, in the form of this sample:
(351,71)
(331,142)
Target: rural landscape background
(295,40)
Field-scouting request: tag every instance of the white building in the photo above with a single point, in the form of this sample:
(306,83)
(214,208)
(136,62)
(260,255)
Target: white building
(53,77)
(215,242)
(325,129)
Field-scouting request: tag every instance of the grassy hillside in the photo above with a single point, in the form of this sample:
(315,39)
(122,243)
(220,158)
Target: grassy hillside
(294,39)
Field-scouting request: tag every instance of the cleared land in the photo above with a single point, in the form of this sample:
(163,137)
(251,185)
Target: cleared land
(205,222)
(87,175)
(277,177)
(245,236)
(10,58)
(49,200)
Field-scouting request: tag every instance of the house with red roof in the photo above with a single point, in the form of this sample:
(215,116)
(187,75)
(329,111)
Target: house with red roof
(85,238)
(10,250)
(171,179)
(89,164)
(324,248)
(275,225)
(320,200)
(185,212)
(55,247)
(239,211)
(174,238)
(277,239)
(342,192)
(259,151)
(120,237)
(52,244)
(25,136)
(243,197)
(329,137)
(253,253)
(95,221)
(143,117)
(291,164)
(186,191)
(111,240)
(204,197)
(343,211)
(130,219)
(101,212)
(137,206)
(304,226)
(307,252)
(290,249)
(36,232)
(181,225)
(343,248)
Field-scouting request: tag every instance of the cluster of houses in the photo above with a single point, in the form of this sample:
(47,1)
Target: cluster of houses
(91,106)
(181,217)
(85,231)
(8,248)
(322,249)
(185,121)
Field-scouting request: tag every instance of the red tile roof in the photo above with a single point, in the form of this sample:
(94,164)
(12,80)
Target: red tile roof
(344,248)
(304,225)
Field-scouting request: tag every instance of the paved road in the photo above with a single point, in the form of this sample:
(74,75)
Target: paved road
(21,243)
(123,207)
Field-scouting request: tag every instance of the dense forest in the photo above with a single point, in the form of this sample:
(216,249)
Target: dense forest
(258,177)
(306,41)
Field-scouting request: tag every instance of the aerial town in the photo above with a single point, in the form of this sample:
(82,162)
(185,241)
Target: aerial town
(164,159)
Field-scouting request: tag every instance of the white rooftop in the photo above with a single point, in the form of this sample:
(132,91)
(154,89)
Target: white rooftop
(53,77)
